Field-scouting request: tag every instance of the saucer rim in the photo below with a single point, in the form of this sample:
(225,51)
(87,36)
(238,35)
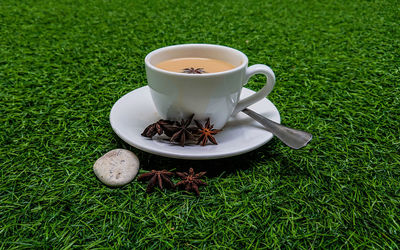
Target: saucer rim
(186,156)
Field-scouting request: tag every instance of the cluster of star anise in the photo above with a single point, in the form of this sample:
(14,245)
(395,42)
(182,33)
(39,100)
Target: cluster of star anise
(161,178)
(181,132)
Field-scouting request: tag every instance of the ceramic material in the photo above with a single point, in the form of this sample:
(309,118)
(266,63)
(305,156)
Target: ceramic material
(214,95)
(134,111)
(117,167)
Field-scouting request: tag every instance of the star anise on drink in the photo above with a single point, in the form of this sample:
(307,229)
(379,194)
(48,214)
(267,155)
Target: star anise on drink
(206,132)
(191,181)
(157,128)
(183,131)
(193,70)
(157,177)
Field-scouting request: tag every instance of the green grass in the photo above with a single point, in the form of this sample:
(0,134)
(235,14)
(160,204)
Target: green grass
(63,64)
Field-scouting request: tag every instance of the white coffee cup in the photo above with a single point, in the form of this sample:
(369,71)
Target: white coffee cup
(212,95)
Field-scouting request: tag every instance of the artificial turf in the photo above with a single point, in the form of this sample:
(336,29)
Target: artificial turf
(63,64)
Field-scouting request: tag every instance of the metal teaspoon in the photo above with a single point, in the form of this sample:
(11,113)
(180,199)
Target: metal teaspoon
(292,137)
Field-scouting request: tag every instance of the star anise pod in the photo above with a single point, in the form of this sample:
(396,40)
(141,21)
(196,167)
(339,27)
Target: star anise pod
(171,128)
(191,181)
(157,128)
(206,133)
(193,70)
(183,131)
(157,177)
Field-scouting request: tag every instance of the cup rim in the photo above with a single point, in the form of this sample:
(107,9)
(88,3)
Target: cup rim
(238,68)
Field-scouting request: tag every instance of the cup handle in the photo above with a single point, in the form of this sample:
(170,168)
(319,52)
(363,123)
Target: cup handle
(262,93)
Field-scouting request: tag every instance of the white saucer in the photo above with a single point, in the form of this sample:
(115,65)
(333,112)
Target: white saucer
(133,112)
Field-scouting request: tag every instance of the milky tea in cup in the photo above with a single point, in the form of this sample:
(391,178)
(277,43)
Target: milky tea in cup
(195,65)
(202,79)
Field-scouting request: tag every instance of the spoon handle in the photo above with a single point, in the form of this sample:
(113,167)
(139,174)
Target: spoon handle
(292,137)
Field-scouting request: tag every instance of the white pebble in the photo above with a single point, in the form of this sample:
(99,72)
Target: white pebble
(117,167)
